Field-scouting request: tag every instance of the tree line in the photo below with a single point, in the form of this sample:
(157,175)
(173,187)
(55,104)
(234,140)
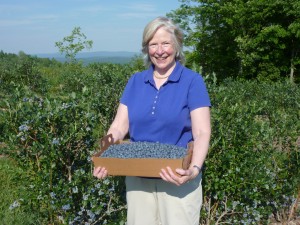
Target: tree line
(243,39)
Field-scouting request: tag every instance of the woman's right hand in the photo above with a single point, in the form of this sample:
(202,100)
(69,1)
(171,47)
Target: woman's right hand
(100,172)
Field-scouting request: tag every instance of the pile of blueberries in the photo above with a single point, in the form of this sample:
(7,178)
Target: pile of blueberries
(144,150)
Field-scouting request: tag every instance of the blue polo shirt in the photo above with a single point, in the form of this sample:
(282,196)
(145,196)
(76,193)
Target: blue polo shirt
(164,115)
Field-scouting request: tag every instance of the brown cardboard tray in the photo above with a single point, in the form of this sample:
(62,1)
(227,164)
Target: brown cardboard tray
(144,167)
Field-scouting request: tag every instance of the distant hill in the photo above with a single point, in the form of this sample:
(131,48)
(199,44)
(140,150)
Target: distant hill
(90,57)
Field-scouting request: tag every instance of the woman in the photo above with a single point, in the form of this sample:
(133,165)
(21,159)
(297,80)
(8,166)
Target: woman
(166,103)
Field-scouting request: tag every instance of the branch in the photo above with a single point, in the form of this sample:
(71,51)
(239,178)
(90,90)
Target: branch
(109,211)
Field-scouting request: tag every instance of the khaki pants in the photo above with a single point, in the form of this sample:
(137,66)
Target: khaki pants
(156,202)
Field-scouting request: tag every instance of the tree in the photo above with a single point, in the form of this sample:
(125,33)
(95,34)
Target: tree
(245,39)
(74,43)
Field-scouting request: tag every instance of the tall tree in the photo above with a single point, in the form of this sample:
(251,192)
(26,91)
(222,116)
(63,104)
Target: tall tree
(74,43)
(239,38)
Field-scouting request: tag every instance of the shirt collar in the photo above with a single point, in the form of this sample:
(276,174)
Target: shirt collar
(174,77)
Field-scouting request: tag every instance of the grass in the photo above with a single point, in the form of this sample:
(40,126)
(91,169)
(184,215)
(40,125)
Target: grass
(11,181)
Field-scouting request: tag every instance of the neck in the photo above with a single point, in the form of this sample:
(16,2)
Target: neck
(158,76)
(162,74)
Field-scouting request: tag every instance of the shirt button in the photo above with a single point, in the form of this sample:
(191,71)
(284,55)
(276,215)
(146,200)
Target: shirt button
(154,101)
(152,113)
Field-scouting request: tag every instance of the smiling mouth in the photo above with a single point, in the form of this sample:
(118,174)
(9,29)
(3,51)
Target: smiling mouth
(160,58)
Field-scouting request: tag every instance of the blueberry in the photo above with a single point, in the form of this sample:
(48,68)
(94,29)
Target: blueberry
(144,150)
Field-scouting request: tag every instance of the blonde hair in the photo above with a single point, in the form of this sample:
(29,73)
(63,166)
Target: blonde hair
(169,26)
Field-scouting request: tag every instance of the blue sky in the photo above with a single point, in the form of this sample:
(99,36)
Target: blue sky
(33,26)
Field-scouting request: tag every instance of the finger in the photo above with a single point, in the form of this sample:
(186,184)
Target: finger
(105,173)
(183,172)
(164,175)
(185,175)
(172,177)
(96,170)
(100,172)
(169,176)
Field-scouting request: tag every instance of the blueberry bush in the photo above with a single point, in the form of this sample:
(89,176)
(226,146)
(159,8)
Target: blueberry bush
(50,128)
(253,169)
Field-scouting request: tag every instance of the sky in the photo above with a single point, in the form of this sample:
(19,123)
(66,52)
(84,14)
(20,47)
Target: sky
(33,26)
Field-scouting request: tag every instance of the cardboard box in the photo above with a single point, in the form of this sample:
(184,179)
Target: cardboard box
(144,167)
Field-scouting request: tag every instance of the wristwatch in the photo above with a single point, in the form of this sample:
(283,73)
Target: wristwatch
(198,168)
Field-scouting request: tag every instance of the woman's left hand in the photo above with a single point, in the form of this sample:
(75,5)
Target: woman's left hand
(185,175)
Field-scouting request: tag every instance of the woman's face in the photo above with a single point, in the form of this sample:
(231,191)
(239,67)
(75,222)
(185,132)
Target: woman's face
(161,50)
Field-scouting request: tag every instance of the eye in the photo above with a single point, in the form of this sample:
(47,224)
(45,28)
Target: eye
(166,44)
(152,45)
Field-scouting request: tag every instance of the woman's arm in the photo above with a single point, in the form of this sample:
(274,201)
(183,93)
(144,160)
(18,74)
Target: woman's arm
(201,130)
(118,129)
(120,125)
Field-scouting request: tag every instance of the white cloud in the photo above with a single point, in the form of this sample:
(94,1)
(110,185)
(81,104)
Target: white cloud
(11,8)
(14,22)
(34,25)
(31,20)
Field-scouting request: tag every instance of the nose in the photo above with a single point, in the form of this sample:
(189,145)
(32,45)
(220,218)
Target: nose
(160,49)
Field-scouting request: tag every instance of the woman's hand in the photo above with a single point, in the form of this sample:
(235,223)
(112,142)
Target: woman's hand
(186,175)
(100,172)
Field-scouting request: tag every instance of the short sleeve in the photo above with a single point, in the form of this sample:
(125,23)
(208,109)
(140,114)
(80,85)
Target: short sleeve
(127,92)
(198,94)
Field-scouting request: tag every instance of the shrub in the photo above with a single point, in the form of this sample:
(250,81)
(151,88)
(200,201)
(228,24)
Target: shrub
(252,169)
(53,141)
(12,192)
(20,71)
(253,163)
